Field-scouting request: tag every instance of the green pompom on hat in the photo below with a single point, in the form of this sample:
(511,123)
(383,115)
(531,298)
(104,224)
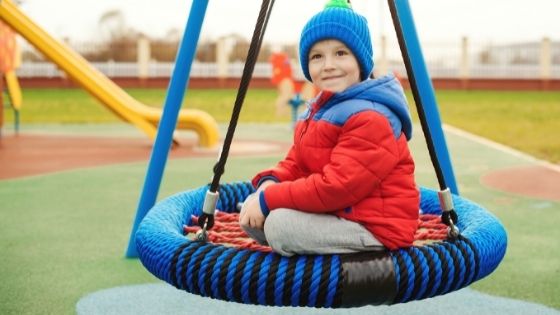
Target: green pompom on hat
(338,21)
(339,4)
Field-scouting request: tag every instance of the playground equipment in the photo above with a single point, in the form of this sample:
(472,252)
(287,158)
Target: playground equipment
(259,277)
(474,246)
(98,85)
(290,92)
(9,61)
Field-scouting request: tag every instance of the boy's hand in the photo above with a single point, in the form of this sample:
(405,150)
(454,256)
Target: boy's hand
(265,184)
(251,214)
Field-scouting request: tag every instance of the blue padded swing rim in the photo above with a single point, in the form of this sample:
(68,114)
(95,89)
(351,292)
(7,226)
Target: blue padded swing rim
(253,277)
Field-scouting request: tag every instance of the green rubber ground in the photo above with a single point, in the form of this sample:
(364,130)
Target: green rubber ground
(63,236)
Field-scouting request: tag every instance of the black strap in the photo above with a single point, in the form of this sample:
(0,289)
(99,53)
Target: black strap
(417,98)
(448,216)
(250,62)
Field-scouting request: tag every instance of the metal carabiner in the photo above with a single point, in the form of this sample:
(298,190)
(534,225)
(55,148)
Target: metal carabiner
(202,235)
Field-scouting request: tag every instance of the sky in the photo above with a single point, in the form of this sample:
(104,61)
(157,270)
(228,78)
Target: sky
(495,20)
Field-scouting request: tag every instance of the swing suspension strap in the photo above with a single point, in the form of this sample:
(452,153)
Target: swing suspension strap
(206,220)
(449,216)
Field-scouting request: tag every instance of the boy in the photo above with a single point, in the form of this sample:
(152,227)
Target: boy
(347,183)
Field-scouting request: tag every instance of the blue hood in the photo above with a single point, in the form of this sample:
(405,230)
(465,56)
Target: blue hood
(386,91)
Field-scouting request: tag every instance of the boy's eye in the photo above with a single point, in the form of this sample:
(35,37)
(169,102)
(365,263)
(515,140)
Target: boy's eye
(315,56)
(341,52)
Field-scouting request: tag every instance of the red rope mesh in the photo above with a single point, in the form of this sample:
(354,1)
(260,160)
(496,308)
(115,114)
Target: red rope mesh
(227,231)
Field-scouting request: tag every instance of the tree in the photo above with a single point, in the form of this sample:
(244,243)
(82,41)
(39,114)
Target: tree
(112,25)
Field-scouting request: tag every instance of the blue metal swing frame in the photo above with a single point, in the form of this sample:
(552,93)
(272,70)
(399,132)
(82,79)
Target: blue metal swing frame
(254,277)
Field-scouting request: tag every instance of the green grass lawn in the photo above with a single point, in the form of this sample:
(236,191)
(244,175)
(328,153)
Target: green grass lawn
(526,121)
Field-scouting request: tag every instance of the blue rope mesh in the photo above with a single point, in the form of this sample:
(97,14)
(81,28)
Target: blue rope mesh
(253,277)
(471,257)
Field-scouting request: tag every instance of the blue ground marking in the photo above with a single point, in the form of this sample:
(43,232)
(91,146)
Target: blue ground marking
(161,298)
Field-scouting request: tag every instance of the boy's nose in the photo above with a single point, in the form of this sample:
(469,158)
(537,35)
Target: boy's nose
(329,63)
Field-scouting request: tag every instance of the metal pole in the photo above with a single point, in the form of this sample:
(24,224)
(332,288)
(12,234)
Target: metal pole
(175,94)
(422,88)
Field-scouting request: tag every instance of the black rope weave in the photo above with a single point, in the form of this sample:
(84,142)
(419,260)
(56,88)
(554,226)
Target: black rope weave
(197,260)
(436,268)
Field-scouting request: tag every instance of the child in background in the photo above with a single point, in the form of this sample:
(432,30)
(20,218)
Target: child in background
(347,183)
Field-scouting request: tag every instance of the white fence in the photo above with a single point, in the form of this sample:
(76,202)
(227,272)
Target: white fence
(463,59)
(264,70)
(131,69)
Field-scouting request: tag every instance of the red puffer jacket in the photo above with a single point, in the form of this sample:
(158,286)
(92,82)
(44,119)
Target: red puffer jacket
(350,157)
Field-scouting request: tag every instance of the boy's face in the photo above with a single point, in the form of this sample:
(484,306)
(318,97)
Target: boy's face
(332,66)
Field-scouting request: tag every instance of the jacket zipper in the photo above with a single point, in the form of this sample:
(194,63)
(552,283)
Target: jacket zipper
(321,100)
(306,123)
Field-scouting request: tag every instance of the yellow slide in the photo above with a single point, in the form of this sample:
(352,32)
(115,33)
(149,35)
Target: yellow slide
(97,84)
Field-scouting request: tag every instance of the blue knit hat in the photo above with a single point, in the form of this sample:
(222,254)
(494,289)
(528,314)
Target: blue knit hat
(338,21)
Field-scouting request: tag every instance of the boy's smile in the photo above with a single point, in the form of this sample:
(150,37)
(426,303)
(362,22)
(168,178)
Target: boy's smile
(332,66)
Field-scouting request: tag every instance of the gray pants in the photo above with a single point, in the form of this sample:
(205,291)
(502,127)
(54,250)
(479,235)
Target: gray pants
(291,232)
